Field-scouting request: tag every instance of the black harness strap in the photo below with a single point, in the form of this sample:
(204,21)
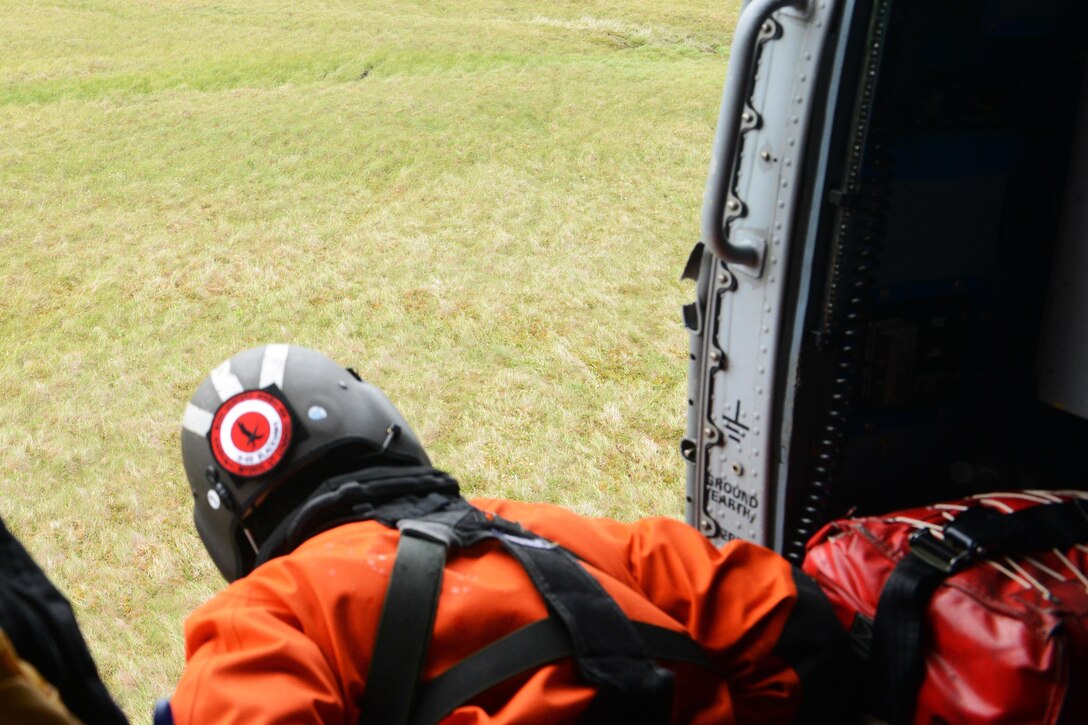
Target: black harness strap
(609,653)
(980,531)
(526,649)
(404,630)
(608,648)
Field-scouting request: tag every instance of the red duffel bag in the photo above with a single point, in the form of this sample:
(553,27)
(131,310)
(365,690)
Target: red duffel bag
(974,611)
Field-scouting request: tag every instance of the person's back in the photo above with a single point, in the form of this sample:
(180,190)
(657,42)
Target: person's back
(293,638)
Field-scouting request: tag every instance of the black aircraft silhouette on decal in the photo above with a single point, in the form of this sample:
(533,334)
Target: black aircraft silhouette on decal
(252,436)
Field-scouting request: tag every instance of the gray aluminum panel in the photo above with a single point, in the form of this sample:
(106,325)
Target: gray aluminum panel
(732,491)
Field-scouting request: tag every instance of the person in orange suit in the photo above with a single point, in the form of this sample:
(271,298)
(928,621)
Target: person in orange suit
(364,588)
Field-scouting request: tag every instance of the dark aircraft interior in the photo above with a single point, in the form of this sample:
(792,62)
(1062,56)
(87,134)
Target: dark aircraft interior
(954,206)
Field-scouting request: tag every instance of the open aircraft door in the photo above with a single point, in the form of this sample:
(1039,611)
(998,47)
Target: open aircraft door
(879,320)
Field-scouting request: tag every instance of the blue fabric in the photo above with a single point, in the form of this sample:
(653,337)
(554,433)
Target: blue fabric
(163,714)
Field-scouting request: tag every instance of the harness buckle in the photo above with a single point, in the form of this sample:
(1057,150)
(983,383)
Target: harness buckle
(429,530)
(941,554)
(974,532)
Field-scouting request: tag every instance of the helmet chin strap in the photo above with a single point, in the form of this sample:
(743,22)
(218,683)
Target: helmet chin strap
(252,541)
(211,473)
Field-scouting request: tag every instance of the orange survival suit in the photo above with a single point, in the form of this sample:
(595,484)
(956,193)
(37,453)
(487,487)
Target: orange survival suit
(292,642)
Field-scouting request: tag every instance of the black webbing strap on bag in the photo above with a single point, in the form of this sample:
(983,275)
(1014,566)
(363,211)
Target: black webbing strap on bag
(609,650)
(980,531)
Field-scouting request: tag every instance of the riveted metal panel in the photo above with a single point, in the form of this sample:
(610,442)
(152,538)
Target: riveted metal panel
(731,426)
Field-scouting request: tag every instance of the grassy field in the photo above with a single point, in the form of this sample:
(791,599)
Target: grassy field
(483,206)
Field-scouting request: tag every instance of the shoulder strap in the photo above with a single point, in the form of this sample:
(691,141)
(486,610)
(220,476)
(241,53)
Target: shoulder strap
(980,531)
(609,650)
(609,653)
(526,649)
(405,626)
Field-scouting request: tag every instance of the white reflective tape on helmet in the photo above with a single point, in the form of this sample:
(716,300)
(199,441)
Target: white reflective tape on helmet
(273,365)
(225,382)
(197,420)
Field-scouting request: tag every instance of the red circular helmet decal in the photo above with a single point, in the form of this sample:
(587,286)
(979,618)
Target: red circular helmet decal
(250,433)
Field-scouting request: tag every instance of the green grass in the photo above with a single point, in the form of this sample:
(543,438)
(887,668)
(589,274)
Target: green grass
(483,206)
